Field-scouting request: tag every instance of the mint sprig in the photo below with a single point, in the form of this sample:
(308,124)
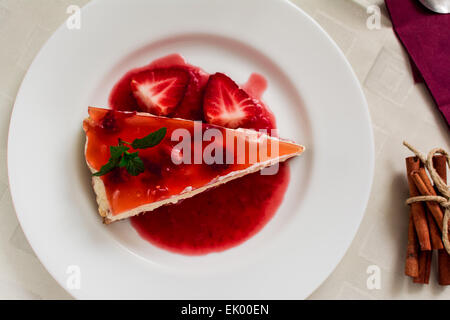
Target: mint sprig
(132,163)
(121,158)
(116,155)
(151,140)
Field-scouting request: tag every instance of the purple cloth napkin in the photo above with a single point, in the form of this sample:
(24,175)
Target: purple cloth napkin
(426,37)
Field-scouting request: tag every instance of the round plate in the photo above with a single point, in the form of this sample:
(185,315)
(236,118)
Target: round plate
(312,90)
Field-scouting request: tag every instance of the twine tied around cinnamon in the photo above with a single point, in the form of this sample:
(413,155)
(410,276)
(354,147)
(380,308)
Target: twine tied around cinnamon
(443,200)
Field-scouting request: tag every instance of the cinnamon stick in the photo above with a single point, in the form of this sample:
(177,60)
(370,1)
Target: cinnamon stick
(423,174)
(424,267)
(418,178)
(440,164)
(443,267)
(435,234)
(412,252)
(417,210)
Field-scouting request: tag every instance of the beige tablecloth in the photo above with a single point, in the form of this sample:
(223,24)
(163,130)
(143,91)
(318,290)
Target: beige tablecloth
(399,109)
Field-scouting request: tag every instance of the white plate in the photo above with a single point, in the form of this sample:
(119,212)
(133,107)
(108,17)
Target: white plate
(312,90)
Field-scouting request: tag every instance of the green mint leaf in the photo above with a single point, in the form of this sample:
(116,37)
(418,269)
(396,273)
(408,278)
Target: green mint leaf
(127,157)
(116,153)
(133,163)
(108,167)
(123,162)
(151,140)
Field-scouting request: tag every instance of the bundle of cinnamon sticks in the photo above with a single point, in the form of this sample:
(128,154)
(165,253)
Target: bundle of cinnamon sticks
(425,224)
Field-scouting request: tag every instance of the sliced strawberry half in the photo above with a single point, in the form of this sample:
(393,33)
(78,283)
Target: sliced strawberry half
(159,91)
(227,105)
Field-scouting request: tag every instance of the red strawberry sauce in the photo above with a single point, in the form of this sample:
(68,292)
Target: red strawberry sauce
(222,217)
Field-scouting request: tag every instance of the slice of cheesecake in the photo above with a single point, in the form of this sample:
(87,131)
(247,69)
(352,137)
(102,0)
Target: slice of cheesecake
(191,158)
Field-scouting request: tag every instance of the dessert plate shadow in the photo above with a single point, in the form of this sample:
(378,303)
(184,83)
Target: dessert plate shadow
(312,90)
